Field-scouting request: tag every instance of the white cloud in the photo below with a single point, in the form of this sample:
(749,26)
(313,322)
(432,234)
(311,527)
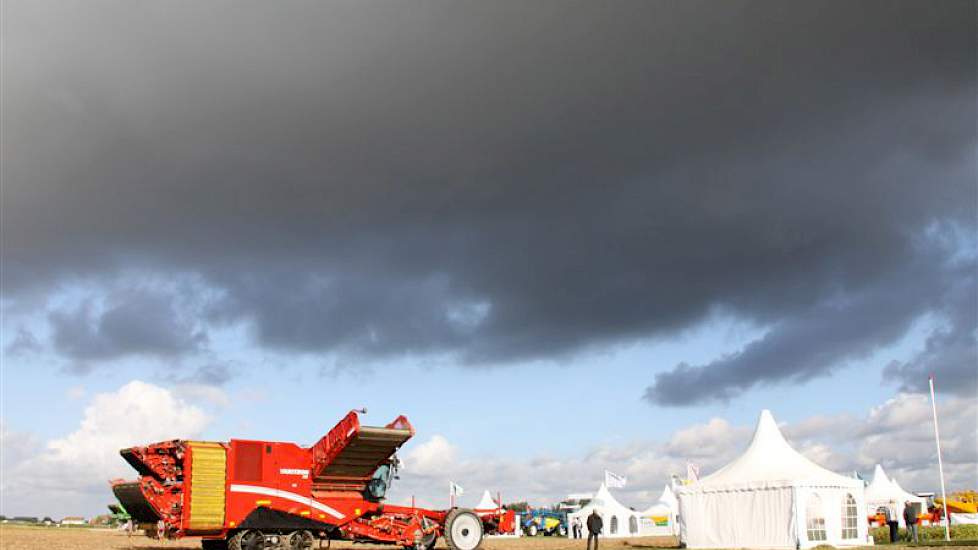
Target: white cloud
(204,393)
(75,392)
(15,447)
(708,441)
(70,473)
(899,434)
(432,457)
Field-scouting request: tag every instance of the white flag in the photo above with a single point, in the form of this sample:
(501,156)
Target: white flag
(455,489)
(692,472)
(614,480)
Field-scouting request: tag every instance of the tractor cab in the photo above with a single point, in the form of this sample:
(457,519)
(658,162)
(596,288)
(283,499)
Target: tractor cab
(381,480)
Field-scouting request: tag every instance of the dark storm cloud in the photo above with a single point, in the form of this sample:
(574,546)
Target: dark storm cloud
(133,322)
(841,329)
(213,374)
(208,374)
(951,351)
(495,180)
(24,342)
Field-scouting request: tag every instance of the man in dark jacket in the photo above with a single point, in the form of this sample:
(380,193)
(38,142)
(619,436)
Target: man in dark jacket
(910,518)
(594,526)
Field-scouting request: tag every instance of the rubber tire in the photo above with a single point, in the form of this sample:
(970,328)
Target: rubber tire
(532,530)
(307,542)
(234,543)
(456,515)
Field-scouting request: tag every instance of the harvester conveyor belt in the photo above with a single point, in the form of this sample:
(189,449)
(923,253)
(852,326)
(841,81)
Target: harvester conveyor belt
(132,499)
(369,447)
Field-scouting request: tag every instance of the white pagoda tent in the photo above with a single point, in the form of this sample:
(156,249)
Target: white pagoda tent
(487,502)
(619,520)
(772,497)
(660,518)
(883,490)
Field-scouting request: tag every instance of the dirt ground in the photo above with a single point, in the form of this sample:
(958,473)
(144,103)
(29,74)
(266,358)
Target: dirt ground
(49,538)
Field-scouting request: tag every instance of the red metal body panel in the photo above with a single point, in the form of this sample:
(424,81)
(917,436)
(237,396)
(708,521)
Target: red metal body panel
(282,477)
(326,449)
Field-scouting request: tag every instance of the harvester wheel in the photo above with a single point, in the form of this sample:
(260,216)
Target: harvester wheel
(299,540)
(250,539)
(428,541)
(463,530)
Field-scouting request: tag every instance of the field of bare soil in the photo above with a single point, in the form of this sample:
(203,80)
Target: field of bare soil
(50,538)
(40,538)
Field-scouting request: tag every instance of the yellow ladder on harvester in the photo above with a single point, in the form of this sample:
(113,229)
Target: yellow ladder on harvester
(208,471)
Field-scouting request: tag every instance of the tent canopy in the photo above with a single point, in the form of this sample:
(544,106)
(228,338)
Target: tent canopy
(487,502)
(667,504)
(604,499)
(668,497)
(883,490)
(619,520)
(770,461)
(771,496)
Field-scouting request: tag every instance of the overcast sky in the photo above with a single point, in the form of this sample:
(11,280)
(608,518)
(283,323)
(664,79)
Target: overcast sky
(560,236)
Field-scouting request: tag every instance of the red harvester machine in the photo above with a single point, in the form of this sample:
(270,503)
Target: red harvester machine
(254,495)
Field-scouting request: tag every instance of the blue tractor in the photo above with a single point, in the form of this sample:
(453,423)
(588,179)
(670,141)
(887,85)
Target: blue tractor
(544,522)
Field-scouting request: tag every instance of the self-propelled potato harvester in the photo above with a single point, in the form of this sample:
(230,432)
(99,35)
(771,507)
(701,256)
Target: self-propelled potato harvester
(255,495)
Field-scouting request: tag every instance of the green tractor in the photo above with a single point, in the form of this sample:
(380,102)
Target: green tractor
(119,515)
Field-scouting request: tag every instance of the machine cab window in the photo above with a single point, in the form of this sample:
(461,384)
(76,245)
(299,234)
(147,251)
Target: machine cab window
(380,481)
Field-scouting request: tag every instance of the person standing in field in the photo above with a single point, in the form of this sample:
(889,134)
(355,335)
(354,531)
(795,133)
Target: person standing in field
(594,526)
(577,527)
(889,513)
(910,518)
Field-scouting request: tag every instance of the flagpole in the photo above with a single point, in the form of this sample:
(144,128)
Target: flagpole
(940,463)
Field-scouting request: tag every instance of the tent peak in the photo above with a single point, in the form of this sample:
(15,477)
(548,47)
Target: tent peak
(487,502)
(769,458)
(879,474)
(767,430)
(667,496)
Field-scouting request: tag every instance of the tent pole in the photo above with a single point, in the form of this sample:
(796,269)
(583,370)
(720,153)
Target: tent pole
(940,463)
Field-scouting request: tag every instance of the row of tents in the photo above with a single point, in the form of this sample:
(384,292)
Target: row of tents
(621,521)
(884,492)
(771,496)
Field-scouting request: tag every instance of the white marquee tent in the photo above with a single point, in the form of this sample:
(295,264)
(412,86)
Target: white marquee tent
(619,520)
(882,490)
(772,497)
(660,518)
(487,502)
